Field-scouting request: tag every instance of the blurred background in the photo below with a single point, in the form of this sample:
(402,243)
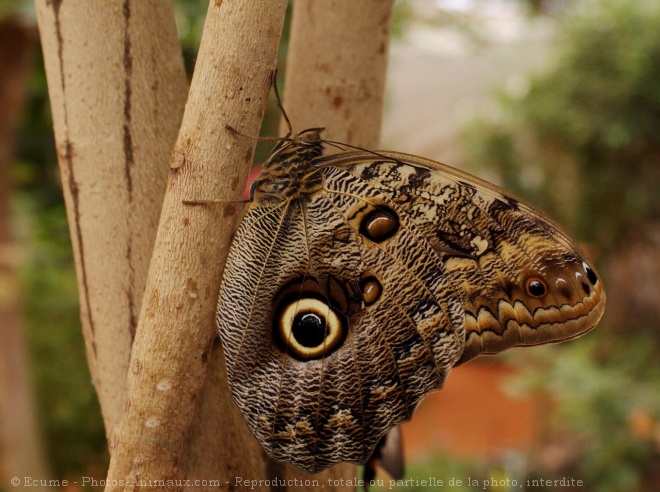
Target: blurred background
(555,100)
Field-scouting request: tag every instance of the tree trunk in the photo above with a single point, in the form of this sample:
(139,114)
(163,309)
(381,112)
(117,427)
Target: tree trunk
(117,88)
(336,68)
(173,343)
(21,449)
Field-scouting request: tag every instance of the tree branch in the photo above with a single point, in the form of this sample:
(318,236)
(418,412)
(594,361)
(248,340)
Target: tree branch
(335,74)
(117,88)
(176,325)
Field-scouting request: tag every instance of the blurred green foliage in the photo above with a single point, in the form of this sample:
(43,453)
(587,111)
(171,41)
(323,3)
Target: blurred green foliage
(435,472)
(583,143)
(23,8)
(605,418)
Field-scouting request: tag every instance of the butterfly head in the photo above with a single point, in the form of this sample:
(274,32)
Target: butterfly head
(305,145)
(308,138)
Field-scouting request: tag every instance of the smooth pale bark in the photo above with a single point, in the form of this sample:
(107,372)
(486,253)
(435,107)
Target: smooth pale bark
(117,88)
(173,343)
(21,444)
(336,67)
(335,78)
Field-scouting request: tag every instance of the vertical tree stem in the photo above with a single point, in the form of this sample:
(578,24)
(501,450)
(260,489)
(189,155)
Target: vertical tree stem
(117,88)
(335,74)
(177,321)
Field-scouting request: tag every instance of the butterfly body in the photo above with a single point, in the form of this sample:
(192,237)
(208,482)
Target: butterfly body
(356,281)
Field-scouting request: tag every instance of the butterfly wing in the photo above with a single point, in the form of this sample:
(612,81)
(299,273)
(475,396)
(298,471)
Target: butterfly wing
(339,311)
(522,280)
(334,325)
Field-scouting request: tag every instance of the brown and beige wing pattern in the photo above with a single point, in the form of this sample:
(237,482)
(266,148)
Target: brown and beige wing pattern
(356,282)
(332,338)
(523,281)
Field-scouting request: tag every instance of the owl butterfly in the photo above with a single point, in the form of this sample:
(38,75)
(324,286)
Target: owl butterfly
(356,281)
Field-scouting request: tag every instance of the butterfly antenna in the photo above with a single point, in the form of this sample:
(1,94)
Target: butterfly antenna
(278,100)
(343,146)
(252,137)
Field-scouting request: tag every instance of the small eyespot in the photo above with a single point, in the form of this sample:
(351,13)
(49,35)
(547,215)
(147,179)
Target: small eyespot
(371,290)
(536,287)
(379,225)
(591,275)
(309,329)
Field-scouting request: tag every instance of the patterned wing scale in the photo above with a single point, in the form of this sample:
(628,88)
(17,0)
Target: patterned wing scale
(522,280)
(356,282)
(310,402)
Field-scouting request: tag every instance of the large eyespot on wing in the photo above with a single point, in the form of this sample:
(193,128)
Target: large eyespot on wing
(307,323)
(335,401)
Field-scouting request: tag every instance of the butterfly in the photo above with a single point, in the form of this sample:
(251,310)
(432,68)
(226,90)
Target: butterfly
(356,281)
